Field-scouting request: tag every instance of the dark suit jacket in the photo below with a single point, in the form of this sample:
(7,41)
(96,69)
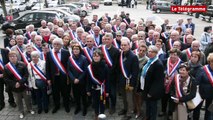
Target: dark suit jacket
(154,81)
(51,67)
(192,26)
(132,66)
(163,26)
(4,54)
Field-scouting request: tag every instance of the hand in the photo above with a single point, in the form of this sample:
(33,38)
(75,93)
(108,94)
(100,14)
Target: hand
(149,96)
(88,93)
(176,100)
(17,85)
(49,82)
(1,75)
(107,94)
(131,88)
(76,81)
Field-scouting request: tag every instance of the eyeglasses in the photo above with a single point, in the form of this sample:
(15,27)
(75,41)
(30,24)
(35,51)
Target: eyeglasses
(118,35)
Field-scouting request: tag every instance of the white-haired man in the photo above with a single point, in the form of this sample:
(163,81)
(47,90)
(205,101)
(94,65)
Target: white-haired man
(56,70)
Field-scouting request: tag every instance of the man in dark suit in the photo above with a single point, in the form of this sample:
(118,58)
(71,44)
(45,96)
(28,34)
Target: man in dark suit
(97,36)
(129,67)
(4,60)
(166,22)
(152,82)
(113,68)
(190,25)
(56,64)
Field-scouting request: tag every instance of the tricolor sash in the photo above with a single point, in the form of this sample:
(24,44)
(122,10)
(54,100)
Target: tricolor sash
(43,56)
(75,65)
(91,32)
(72,35)
(164,35)
(57,62)
(184,39)
(102,32)
(123,69)
(107,56)
(188,52)
(177,85)
(29,41)
(114,42)
(36,49)
(170,44)
(98,82)
(22,56)
(115,28)
(87,54)
(29,34)
(171,73)
(208,73)
(1,65)
(8,48)
(39,72)
(125,21)
(14,71)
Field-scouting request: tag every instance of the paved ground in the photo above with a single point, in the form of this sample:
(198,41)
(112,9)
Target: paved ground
(9,113)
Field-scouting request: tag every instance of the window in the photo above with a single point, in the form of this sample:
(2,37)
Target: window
(27,17)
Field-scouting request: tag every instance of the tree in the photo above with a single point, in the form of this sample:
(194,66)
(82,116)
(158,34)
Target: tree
(3,7)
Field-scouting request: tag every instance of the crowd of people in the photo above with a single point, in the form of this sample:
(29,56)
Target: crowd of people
(94,62)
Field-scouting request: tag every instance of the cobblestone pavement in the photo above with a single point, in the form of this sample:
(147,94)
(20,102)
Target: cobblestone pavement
(9,113)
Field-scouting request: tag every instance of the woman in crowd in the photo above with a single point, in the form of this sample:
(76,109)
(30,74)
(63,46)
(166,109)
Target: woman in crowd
(206,86)
(183,90)
(38,82)
(66,41)
(77,67)
(97,85)
(195,72)
(138,100)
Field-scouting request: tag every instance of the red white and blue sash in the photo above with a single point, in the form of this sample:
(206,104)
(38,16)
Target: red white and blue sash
(87,54)
(102,32)
(107,56)
(57,62)
(91,32)
(164,35)
(96,81)
(177,86)
(173,70)
(72,35)
(39,72)
(29,34)
(125,21)
(8,48)
(184,39)
(14,71)
(115,28)
(43,56)
(75,65)
(22,56)
(114,42)
(123,69)
(208,73)
(171,73)
(189,52)
(170,44)
(29,41)
(36,49)
(1,65)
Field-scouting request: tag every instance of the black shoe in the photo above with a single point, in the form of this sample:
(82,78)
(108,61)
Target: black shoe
(13,105)
(46,110)
(55,110)
(67,109)
(84,112)
(122,112)
(39,111)
(77,110)
(112,111)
